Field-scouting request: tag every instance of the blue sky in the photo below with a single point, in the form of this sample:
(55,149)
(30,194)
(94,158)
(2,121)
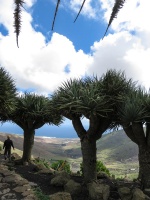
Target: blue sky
(79,32)
(45,59)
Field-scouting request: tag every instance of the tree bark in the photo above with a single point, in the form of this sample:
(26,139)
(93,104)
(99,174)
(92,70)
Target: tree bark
(28,144)
(144,166)
(88,144)
(88,148)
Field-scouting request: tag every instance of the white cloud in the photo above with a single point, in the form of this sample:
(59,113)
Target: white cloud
(133,16)
(29,3)
(91,8)
(127,49)
(125,52)
(6,17)
(40,65)
(37,64)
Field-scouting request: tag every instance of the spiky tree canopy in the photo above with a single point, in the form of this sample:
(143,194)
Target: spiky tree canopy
(80,97)
(19,4)
(7,93)
(134,115)
(93,98)
(34,111)
(96,99)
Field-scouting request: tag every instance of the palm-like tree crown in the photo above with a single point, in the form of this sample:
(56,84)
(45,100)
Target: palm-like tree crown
(134,107)
(7,93)
(80,98)
(92,96)
(34,111)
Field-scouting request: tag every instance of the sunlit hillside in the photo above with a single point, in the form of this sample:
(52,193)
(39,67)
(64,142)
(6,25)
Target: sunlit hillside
(115,149)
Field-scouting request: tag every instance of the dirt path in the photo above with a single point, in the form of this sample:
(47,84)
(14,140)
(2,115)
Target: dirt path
(12,185)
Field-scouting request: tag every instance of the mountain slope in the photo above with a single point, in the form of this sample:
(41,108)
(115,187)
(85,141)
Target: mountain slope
(115,149)
(115,146)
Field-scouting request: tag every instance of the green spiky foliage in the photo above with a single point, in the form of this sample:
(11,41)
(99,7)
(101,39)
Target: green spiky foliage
(133,112)
(116,86)
(32,112)
(17,17)
(7,94)
(134,116)
(95,99)
(81,98)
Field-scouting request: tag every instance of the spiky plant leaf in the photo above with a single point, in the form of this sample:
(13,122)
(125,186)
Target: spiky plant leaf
(56,10)
(117,7)
(17,18)
(82,97)
(34,111)
(7,94)
(115,84)
(80,10)
(132,110)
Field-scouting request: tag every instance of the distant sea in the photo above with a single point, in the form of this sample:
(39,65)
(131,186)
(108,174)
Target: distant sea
(63,131)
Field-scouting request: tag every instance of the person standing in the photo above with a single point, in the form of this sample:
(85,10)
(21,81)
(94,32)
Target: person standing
(7,147)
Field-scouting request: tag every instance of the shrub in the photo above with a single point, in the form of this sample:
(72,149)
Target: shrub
(61,165)
(43,162)
(100,167)
(39,194)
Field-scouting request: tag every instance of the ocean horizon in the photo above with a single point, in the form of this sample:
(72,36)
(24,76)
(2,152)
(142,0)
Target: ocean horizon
(62,131)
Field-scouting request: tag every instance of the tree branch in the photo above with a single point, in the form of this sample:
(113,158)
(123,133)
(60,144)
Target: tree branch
(139,133)
(97,127)
(129,132)
(148,133)
(77,124)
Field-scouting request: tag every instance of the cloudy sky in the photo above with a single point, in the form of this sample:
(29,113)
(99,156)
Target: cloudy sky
(46,58)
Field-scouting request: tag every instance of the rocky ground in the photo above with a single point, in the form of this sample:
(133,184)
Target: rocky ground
(44,182)
(12,185)
(117,189)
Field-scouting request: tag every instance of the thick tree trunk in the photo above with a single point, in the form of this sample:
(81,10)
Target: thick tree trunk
(89,159)
(28,144)
(144,166)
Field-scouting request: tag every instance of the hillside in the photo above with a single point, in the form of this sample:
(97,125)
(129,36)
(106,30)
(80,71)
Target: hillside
(117,146)
(48,148)
(115,149)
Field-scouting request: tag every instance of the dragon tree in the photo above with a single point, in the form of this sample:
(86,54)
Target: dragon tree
(32,112)
(134,117)
(95,99)
(7,94)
